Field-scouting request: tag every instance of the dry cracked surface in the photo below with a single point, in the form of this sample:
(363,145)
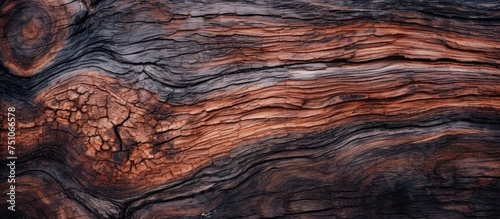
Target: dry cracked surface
(252,109)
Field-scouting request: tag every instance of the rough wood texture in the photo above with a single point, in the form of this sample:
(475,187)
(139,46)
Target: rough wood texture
(253,109)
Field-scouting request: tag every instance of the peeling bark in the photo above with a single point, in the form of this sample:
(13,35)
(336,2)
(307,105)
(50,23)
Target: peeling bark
(252,109)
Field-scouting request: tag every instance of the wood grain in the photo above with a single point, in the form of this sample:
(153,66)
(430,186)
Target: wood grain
(252,109)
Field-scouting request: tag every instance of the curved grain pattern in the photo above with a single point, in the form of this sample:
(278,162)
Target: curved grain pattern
(32,32)
(260,109)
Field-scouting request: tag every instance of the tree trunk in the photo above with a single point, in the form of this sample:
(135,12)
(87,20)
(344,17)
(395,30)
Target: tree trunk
(251,109)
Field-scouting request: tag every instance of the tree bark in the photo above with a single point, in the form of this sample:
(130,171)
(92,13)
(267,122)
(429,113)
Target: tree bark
(251,109)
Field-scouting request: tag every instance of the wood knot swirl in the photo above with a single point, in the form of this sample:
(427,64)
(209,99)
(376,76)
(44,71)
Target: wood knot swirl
(31,34)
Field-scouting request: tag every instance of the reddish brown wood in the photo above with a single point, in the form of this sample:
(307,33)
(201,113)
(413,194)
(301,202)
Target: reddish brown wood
(261,109)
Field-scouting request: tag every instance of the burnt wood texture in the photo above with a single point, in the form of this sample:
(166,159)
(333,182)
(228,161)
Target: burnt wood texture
(252,109)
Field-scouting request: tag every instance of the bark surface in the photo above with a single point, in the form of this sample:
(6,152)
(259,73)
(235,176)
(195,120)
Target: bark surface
(252,109)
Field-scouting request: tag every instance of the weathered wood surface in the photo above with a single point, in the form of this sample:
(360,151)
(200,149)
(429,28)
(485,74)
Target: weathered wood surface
(253,109)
